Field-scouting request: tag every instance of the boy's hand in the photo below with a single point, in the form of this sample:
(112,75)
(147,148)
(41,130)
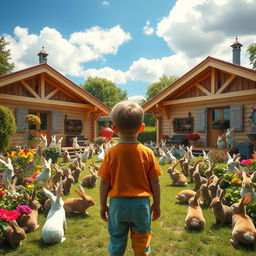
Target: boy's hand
(155,211)
(104,212)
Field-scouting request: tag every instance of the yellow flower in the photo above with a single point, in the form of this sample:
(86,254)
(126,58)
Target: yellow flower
(30,186)
(36,171)
(38,167)
(236,180)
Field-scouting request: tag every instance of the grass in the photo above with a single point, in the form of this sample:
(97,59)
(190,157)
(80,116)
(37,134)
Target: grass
(88,235)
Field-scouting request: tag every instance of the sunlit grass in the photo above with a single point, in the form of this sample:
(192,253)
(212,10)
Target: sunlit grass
(88,235)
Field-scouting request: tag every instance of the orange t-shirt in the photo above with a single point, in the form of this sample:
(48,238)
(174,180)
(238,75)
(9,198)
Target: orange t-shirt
(129,166)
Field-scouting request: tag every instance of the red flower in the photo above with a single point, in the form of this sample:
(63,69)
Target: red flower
(1,174)
(29,180)
(9,215)
(1,192)
(193,136)
(246,161)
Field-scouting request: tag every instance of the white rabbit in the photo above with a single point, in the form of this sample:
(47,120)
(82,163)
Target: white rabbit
(191,157)
(75,144)
(231,164)
(53,141)
(162,158)
(170,157)
(220,141)
(58,145)
(85,154)
(101,154)
(182,151)
(43,142)
(230,139)
(53,229)
(163,146)
(45,175)
(247,186)
(8,172)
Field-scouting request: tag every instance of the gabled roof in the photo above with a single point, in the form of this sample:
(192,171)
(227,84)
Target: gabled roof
(45,68)
(198,69)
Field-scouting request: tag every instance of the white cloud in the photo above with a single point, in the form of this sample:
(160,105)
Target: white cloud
(147,29)
(105,3)
(116,76)
(137,98)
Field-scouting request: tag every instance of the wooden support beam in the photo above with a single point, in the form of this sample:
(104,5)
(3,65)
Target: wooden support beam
(52,93)
(29,89)
(165,113)
(226,84)
(44,101)
(42,85)
(211,97)
(204,90)
(213,80)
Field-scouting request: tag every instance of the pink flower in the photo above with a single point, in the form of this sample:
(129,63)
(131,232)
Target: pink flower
(23,209)
(9,215)
(246,161)
(241,173)
(29,180)
(254,155)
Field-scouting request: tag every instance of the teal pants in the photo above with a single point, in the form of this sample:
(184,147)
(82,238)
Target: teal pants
(129,213)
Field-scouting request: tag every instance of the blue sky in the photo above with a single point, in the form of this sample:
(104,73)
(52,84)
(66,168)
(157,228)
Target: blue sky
(132,43)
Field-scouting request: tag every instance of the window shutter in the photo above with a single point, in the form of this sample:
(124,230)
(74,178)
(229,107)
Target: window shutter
(236,117)
(20,119)
(200,119)
(56,121)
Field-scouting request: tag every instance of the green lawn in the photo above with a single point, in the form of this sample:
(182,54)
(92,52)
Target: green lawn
(89,236)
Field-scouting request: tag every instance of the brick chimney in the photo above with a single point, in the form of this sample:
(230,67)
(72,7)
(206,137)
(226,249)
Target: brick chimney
(236,52)
(42,56)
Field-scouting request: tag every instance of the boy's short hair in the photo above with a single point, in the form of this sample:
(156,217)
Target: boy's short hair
(127,116)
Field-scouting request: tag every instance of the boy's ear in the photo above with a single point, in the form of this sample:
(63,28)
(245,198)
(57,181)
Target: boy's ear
(142,127)
(115,129)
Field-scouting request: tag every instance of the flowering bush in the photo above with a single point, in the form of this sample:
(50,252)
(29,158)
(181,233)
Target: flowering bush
(222,122)
(193,136)
(218,156)
(23,209)
(33,119)
(38,136)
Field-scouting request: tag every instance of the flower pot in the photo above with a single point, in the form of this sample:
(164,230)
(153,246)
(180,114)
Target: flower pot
(33,143)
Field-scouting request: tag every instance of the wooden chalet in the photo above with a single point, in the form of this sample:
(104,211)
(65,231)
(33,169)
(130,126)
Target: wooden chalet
(213,90)
(65,108)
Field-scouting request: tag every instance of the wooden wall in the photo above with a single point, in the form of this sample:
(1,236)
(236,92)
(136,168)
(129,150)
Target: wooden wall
(181,110)
(72,113)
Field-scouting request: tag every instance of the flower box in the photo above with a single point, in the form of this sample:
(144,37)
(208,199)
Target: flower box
(220,126)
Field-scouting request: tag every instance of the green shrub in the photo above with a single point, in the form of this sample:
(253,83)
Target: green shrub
(147,135)
(219,169)
(99,141)
(7,127)
(53,153)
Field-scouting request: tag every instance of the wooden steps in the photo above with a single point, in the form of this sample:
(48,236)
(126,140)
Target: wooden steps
(72,151)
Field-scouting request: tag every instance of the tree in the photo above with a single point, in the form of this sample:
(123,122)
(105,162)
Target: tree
(252,51)
(5,65)
(104,90)
(157,87)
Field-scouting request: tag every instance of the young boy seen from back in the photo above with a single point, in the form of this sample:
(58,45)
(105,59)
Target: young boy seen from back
(129,176)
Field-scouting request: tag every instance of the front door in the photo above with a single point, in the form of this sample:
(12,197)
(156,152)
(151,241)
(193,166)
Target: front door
(215,114)
(44,128)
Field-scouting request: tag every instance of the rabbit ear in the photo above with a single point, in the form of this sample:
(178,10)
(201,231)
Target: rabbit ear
(244,175)
(197,195)
(9,160)
(13,224)
(27,196)
(44,160)
(81,189)
(49,161)
(252,176)
(223,193)
(49,194)
(33,195)
(59,191)
(246,199)
(229,156)
(3,162)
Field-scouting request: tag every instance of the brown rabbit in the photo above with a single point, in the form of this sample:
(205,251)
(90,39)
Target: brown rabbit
(195,218)
(29,222)
(178,178)
(213,185)
(205,194)
(95,166)
(66,157)
(198,179)
(184,195)
(57,178)
(67,182)
(14,234)
(222,213)
(209,171)
(243,228)
(78,205)
(184,165)
(90,180)
(191,171)
(76,173)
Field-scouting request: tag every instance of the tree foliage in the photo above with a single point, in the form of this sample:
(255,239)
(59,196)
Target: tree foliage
(5,65)
(157,87)
(252,51)
(104,90)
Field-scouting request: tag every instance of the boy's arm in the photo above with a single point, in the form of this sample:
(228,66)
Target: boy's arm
(104,188)
(155,188)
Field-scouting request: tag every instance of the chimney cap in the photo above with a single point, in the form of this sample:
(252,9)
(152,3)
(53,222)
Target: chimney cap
(43,52)
(236,43)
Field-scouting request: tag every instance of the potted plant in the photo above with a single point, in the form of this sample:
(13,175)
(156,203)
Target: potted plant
(193,138)
(33,139)
(53,153)
(220,124)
